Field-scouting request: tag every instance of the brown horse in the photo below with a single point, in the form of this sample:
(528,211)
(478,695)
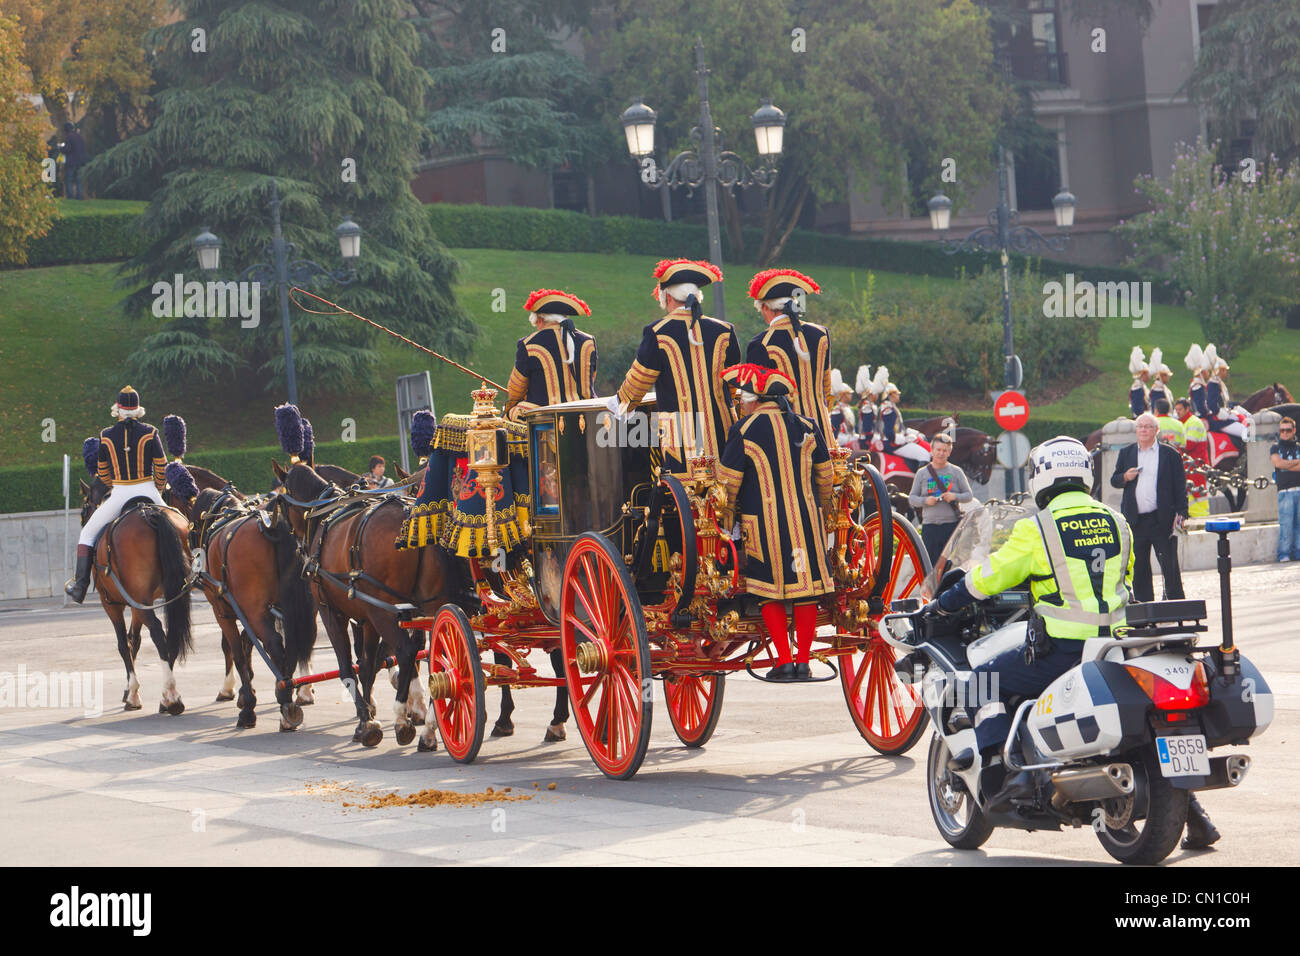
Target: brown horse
(253,564)
(139,558)
(350,557)
(1267,397)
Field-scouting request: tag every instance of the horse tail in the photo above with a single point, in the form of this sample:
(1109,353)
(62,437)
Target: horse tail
(175,574)
(297,603)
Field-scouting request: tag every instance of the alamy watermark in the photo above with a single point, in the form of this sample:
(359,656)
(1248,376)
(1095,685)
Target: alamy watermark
(635,430)
(55,690)
(1083,299)
(208,300)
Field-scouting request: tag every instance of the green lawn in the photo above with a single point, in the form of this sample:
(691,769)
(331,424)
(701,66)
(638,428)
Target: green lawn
(63,343)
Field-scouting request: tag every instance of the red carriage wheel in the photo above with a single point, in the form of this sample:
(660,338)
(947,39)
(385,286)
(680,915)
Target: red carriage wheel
(694,704)
(456,683)
(887,712)
(606,656)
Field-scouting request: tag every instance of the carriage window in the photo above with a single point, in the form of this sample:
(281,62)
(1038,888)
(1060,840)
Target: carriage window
(546,472)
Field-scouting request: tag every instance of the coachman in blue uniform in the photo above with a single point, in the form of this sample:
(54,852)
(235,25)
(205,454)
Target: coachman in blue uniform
(1138,400)
(799,350)
(777,473)
(131,462)
(557,363)
(681,357)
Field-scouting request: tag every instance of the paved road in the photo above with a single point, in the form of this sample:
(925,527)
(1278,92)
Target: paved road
(785,780)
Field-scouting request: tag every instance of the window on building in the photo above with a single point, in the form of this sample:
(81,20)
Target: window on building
(1028,42)
(1038,174)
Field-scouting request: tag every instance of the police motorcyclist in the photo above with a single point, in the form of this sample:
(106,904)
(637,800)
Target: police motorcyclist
(1077,555)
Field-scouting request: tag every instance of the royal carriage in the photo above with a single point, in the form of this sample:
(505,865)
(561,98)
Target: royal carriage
(632,575)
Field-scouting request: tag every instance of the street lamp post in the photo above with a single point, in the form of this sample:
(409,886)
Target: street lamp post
(711,165)
(1003,233)
(283,271)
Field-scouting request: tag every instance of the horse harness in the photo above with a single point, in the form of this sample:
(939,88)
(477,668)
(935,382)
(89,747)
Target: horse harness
(151,513)
(323,516)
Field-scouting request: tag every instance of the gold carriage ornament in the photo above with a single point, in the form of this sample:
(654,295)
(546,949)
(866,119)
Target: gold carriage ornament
(485,448)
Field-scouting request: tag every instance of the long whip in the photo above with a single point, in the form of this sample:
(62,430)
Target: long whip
(339,310)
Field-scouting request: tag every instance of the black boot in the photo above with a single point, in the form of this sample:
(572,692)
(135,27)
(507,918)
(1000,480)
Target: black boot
(76,588)
(1200,831)
(802,671)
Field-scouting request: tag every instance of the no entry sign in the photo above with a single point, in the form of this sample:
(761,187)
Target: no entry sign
(1011,411)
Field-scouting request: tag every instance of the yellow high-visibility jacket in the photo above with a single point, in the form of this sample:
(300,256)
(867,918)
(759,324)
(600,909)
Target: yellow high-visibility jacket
(1077,554)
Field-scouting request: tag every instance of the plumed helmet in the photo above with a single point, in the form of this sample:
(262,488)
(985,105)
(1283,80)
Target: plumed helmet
(1153,366)
(1212,360)
(838,385)
(90,455)
(288,428)
(1195,358)
(1060,464)
(862,382)
(1136,363)
(881,380)
(181,481)
(174,436)
(308,441)
(423,427)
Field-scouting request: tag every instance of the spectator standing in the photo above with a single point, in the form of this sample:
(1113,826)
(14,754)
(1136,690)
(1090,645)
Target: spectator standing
(375,476)
(1285,455)
(937,491)
(1154,505)
(74,156)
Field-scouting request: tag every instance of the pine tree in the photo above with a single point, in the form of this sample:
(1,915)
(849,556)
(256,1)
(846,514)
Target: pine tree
(500,80)
(304,91)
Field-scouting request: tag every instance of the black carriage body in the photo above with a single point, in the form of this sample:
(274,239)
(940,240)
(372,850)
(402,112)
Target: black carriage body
(585,467)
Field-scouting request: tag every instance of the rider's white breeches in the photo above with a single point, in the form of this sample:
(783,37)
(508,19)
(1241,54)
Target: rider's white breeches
(111,507)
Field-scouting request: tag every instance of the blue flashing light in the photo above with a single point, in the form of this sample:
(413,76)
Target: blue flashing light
(1220,527)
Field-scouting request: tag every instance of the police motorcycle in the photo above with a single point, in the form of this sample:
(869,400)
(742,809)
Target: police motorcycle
(1116,743)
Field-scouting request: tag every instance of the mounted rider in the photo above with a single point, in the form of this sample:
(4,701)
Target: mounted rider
(843,425)
(1158,374)
(556,363)
(868,413)
(1195,362)
(897,436)
(799,350)
(1138,400)
(1218,402)
(681,357)
(131,462)
(778,476)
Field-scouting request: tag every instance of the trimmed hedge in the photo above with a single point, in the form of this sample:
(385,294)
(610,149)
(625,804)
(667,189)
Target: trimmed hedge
(1037,429)
(100,236)
(558,230)
(40,487)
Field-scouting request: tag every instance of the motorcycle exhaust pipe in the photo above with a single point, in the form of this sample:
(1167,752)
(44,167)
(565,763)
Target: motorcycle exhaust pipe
(1227,771)
(1091,783)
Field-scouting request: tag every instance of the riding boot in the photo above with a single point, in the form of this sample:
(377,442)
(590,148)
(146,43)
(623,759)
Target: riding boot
(76,588)
(1200,831)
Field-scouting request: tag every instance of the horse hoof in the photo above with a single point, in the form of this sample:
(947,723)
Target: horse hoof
(553,736)
(246,720)
(372,735)
(404,733)
(503,730)
(176,709)
(223,697)
(293,714)
(426,748)
(287,728)
(127,705)
(162,708)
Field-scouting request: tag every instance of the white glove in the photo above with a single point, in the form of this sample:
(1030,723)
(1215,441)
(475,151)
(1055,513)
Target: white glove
(617,407)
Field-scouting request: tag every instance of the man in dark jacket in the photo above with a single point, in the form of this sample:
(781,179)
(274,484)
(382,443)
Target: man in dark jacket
(75,156)
(1154,504)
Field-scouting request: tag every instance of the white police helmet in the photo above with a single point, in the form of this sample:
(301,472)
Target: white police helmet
(1059,461)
